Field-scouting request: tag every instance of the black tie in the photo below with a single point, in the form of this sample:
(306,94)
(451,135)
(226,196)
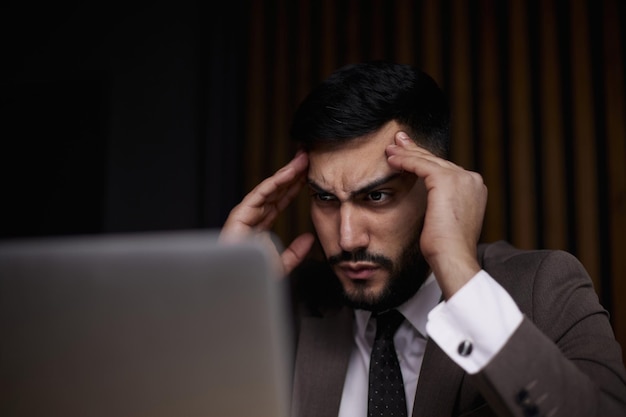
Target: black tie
(386,389)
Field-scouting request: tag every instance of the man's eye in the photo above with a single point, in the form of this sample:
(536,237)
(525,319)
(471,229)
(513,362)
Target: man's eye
(377,196)
(324,197)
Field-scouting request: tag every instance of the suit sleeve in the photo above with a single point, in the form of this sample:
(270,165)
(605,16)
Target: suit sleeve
(563,359)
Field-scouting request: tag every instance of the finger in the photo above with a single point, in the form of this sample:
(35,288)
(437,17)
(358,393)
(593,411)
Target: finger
(406,155)
(271,210)
(403,143)
(413,162)
(403,140)
(296,252)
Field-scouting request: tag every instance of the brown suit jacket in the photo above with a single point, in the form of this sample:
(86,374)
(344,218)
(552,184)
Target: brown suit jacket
(562,361)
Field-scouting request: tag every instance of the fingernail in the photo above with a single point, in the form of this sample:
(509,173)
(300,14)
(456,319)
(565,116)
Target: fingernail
(403,137)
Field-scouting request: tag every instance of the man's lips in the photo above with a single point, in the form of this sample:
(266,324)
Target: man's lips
(358,270)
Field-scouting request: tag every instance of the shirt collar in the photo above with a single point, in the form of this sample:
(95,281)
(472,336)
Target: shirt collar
(415,309)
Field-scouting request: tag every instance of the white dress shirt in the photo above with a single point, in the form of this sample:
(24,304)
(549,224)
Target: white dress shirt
(481,313)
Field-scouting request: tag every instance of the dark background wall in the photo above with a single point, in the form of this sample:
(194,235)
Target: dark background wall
(161,115)
(120,116)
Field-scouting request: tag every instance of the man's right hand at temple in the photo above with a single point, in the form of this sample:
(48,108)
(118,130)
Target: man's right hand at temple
(255,215)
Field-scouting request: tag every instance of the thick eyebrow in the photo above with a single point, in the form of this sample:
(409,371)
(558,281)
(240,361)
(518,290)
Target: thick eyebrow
(364,189)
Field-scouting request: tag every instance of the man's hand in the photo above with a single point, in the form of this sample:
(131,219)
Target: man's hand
(455,209)
(257,212)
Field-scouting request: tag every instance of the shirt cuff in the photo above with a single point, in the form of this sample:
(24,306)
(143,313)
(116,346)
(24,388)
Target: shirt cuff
(475,323)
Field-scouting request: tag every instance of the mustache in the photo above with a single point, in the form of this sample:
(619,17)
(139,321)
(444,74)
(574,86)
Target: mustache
(361,256)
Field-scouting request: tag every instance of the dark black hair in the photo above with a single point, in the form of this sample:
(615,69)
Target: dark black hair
(358,99)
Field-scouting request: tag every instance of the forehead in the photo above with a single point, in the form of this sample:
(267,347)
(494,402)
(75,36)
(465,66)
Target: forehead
(349,165)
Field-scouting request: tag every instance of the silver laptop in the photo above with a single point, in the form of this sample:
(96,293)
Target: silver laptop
(147,324)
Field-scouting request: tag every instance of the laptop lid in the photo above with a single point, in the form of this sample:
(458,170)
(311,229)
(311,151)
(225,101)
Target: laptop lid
(147,324)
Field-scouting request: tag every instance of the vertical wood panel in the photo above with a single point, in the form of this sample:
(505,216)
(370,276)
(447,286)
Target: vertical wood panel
(521,158)
(490,122)
(404,15)
(329,36)
(354,31)
(462,149)
(552,153)
(585,174)
(377,29)
(616,160)
(431,40)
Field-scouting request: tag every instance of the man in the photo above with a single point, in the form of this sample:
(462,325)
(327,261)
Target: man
(485,329)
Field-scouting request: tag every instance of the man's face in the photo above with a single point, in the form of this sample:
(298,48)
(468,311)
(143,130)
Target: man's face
(368,217)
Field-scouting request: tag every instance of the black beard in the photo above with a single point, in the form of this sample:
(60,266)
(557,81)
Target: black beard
(405,278)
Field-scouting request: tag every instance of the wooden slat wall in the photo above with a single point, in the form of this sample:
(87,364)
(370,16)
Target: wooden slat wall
(613,204)
(538,97)
(521,156)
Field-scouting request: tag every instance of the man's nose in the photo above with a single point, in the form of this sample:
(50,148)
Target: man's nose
(353,233)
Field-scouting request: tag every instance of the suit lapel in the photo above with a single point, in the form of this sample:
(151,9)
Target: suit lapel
(438,385)
(322,360)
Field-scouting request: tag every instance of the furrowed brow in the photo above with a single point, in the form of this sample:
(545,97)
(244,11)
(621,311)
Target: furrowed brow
(316,187)
(375,184)
(363,190)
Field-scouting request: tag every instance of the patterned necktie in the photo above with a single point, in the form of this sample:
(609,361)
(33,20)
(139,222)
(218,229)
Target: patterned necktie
(386,389)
